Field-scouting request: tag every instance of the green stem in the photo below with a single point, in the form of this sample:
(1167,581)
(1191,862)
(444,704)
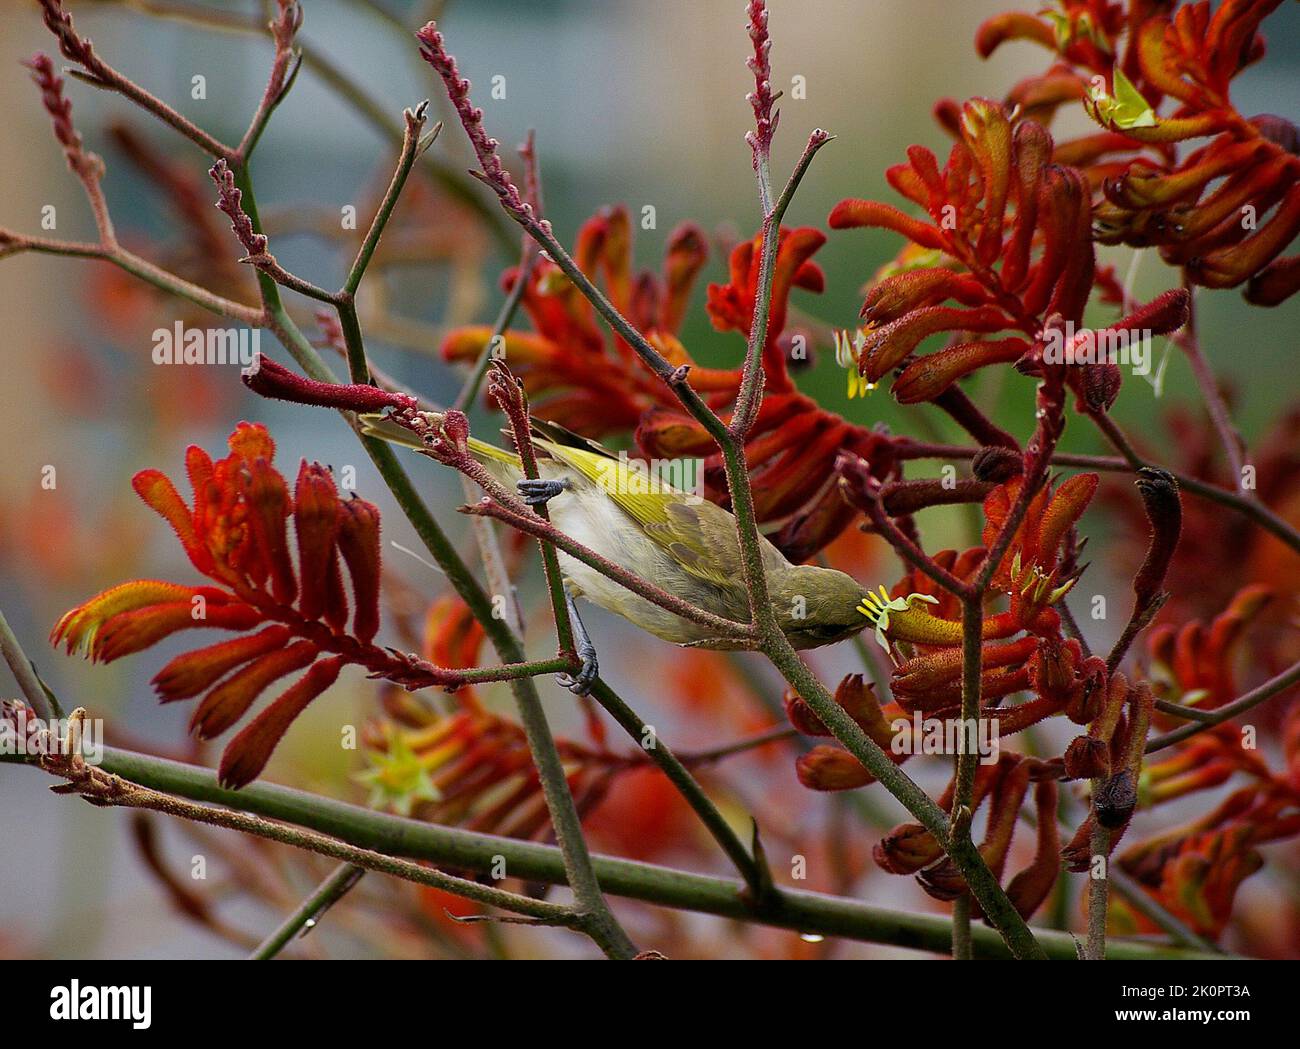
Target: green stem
(350,325)
(137,267)
(751,383)
(1133,893)
(762,614)
(959,819)
(471,851)
(772,640)
(687,785)
(502,507)
(24,673)
(1255,510)
(1251,699)
(328,893)
(1140,900)
(512,671)
(698,758)
(598,921)
(412,147)
(1098,887)
(129,794)
(514,402)
(1234,448)
(981,881)
(963,947)
(601,924)
(972,672)
(108,79)
(448,175)
(465,399)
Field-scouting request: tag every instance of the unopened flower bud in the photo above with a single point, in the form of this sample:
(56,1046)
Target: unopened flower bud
(269,379)
(906,849)
(801,716)
(1087,758)
(1101,383)
(856,482)
(997,463)
(1164,511)
(830,768)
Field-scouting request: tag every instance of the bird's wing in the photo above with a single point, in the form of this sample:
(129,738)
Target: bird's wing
(553,433)
(698,535)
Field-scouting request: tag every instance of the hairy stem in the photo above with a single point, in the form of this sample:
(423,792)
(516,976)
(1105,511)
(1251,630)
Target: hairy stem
(309,912)
(751,384)
(598,921)
(1233,445)
(1256,511)
(120,792)
(1274,686)
(475,852)
(959,818)
(687,785)
(983,885)
(536,526)
(1098,888)
(23,671)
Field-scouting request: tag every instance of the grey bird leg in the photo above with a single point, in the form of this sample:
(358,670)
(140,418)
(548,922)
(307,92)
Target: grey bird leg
(581,684)
(538,492)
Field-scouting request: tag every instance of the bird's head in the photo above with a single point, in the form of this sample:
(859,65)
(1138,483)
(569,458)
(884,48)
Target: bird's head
(817,606)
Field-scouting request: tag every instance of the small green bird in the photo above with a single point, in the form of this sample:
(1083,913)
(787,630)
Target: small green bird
(679,541)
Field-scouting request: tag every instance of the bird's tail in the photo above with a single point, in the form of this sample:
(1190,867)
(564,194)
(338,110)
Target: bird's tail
(378,425)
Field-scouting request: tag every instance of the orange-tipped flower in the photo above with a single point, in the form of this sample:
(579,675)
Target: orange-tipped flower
(235,532)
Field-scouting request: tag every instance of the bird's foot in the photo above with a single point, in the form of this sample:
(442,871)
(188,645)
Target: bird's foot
(538,492)
(580,684)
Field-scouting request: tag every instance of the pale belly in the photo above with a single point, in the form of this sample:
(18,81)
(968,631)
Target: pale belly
(593,520)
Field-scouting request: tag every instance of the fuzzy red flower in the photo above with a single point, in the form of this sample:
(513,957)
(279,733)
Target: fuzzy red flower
(580,376)
(1009,240)
(1225,210)
(236,533)
(574,372)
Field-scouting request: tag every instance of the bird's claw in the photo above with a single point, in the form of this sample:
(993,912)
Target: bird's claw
(580,684)
(586,676)
(538,492)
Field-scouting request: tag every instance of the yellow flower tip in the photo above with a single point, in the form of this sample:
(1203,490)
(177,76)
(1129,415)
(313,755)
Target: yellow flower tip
(1061,590)
(1038,587)
(848,350)
(878,610)
(858,384)
(79,629)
